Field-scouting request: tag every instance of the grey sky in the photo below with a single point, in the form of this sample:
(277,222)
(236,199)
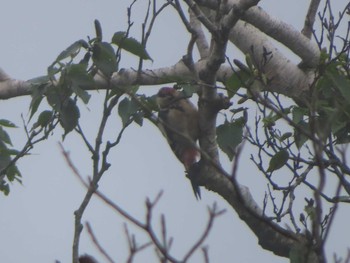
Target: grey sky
(36,219)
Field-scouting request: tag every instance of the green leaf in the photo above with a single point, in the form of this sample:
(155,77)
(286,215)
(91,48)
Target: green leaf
(53,69)
(298,114)
(5,188)
(270,120)
(310,211)
(130,44)
(299,137)
(285,136)
(233,84)
(104,58)
(9,152)
(278,160)
(69,115)
(7,123)
(98,30)
(72,50)
(82,94)
(80,80)
(4,137)
(138,117)
(44,118)
(39,80)
(4,161)
(126,109)
(229,136)
(341,83)
(13,173)
(150,103)
(85,60)
(37,96)
(187,89)
(54,99)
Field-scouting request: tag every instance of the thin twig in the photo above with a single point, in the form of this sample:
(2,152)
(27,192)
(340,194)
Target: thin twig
(97,244)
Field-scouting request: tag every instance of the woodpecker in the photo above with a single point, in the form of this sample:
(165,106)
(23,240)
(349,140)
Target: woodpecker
(181,127)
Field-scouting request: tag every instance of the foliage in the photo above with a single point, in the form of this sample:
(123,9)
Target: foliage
(8,167)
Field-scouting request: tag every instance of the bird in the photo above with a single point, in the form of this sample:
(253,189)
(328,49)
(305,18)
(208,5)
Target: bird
(179,122)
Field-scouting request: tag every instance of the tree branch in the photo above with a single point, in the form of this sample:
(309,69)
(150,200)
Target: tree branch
(285,34)
(310,18)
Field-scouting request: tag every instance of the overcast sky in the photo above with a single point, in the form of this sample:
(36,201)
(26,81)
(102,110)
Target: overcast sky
(36,219)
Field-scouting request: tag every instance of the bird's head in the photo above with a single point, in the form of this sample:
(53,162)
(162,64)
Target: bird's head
(167,96)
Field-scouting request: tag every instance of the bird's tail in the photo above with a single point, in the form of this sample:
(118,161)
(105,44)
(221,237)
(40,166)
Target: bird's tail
(196,190)
(192,174)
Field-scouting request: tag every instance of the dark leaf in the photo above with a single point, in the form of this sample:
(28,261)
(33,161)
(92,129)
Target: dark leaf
(188,89)
(53,69)
(298,114)
(232,85)
(80,80)
(98,30)
(150,103)
(7,123)
(69,115)
(72,50)
(85,60)
(285,136)
(9,152)
(5,188)
(37,96)
(82,94)
(13,173)
(299,137)
(53,97)
(4,137)
(104,58)
(4,160)
(341,83)
(130,44)
(278,160)
(44,118)
(236,81)
(229,135)
(126,109)
(138,117)
(39,80)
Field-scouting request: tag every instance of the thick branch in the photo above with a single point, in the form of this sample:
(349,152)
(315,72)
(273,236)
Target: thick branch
(310,18)
(284,76)
(271,236)
(277,29)
(201,41)
(285,34)
(10,88)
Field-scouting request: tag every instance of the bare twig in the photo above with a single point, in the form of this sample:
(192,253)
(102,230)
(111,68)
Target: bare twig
(213,213)
(97,244)
(133,247)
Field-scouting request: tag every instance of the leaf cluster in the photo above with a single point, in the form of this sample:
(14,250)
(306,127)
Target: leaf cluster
(68,79)
(331,100)
(65,87)
(8,168)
